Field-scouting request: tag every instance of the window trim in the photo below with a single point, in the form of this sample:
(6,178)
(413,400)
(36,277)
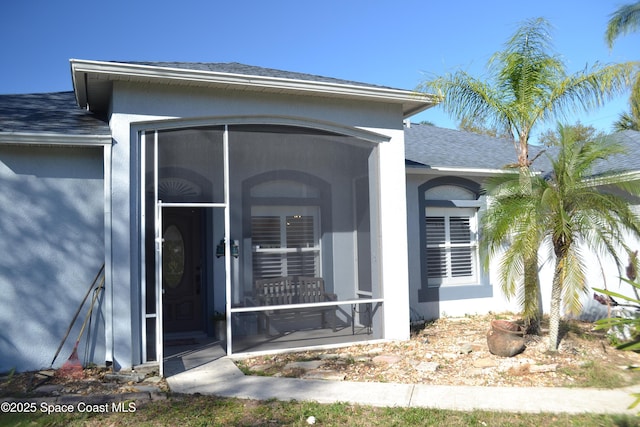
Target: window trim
(481,288)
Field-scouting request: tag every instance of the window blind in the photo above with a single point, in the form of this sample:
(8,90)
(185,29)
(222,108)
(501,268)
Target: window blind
(451,247)
(285,245)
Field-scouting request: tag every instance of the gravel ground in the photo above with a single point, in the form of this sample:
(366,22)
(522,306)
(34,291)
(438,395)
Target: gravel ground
(454,351)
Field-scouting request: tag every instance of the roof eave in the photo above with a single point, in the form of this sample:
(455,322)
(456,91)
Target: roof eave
(409,111)
(412,102)
(78,81)
(433,170)
(625,176)
(40,138)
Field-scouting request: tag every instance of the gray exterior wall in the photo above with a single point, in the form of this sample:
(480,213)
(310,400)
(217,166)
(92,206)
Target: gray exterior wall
(52,246)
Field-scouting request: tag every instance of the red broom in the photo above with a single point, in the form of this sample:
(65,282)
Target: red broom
(72,368)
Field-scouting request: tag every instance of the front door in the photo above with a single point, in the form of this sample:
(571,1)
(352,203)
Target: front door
(182,301)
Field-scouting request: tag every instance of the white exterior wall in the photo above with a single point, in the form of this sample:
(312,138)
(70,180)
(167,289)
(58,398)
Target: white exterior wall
(136,107)
(393,238)
(601,272)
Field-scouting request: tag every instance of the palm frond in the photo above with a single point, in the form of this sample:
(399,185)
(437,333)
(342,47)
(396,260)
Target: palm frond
(525,70)
(626,121)
(623,21)
(466,97)
(530,289)
(587,89)
(616,294)
(574,281)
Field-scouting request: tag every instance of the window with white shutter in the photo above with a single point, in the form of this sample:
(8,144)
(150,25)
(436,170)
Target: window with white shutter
(285,241)
(451,245)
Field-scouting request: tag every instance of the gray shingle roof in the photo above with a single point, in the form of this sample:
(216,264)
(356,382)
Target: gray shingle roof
(630,161)
(248,70)
(55,113)
(431,146)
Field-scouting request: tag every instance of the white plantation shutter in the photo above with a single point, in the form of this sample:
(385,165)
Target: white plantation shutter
(266,234)
(285,242)
(462,247)
(436,239)
(451,238)
(300,232)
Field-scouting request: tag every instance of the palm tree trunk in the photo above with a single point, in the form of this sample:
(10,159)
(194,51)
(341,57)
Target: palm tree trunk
(532,309)
(556,301)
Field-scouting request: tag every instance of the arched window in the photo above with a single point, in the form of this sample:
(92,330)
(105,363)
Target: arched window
(286,222)
(450,232)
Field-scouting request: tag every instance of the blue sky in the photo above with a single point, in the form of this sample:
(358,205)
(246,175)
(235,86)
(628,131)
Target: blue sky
(393,43)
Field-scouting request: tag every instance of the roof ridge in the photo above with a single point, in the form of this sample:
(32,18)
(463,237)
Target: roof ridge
(247,69)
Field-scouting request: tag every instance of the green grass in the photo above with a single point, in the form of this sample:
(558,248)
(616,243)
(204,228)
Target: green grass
(596,375)
(213,411)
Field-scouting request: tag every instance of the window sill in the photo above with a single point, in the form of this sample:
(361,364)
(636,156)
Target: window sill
(434,293)
(453,285)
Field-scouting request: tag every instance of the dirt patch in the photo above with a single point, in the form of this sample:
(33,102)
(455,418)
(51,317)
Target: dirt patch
(454,351)
(92,381)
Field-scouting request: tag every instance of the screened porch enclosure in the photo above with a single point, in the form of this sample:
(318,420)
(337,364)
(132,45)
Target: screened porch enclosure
(305,246)
(285,240)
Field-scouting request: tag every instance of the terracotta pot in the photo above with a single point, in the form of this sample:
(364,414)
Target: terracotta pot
(505,338)
(506,326)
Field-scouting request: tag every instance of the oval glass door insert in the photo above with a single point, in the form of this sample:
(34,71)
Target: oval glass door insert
(173,257)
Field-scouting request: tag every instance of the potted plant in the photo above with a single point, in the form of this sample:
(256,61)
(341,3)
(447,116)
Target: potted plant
(219,319)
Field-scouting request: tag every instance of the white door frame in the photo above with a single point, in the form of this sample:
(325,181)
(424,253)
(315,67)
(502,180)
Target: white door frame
(158,207)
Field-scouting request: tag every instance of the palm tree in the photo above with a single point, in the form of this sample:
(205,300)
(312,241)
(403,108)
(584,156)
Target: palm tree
(623,21)
(630,120)
(627,121)
(566,209)
(527,85)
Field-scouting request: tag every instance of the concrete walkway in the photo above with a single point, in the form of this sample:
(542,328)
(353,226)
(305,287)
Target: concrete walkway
(222,378)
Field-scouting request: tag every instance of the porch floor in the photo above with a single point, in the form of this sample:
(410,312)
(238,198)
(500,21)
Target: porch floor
(183,355)
(191,353)
(298,339)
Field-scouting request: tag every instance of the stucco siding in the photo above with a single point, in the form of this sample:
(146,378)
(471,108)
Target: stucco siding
(155,102)
(52,247)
